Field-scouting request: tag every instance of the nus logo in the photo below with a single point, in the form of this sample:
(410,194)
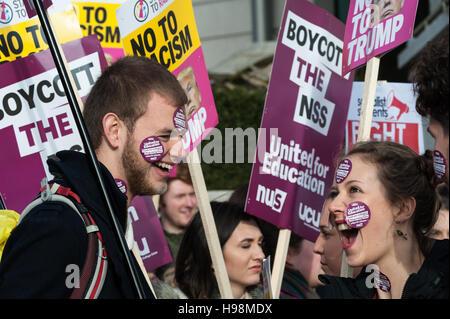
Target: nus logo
(273,198)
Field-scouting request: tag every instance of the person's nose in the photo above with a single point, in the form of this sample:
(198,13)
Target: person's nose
(318,245)
(337,208)
(190,201)
(258,253)
(176,150)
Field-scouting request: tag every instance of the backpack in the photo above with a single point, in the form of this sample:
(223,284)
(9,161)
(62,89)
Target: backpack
(95,266)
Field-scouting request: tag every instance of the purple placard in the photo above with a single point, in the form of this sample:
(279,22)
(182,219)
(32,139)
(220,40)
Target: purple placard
(148,233)
(31,10)
(38,122)
(302,129)
(372,29)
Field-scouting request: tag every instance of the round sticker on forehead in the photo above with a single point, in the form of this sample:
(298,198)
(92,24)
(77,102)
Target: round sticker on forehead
(357,215)
(121,184)
(343,170)
(179,120)
(440,165)
(152,149)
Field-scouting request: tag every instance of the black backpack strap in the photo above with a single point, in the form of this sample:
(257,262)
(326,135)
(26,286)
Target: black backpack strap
(95,266)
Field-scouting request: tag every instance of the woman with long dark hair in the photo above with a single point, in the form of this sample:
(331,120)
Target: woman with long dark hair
(241,240)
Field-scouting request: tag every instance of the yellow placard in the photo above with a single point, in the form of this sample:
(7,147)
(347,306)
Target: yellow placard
(100,19)
(22,39)
(169,38)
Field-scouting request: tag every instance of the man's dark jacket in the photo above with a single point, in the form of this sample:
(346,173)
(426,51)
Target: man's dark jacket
(430,282)
(39,255)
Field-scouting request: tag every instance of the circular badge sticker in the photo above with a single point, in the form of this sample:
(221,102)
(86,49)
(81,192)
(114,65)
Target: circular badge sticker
(152,149)
(343,170)
(357,215)
(179,120)
(440,165)
(121,184)
(382,282)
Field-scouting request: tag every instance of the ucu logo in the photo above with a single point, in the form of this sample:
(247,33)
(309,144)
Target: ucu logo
(273,198)
(309,215)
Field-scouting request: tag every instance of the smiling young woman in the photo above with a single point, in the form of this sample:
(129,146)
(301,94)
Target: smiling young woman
(395,190)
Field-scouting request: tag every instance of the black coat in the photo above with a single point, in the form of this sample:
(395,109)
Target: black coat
(430,282)
(39,255)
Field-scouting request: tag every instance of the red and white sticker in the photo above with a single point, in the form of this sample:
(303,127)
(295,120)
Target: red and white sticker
(152,149)
(440,165)
(357,215)
(343,170)
(121,184)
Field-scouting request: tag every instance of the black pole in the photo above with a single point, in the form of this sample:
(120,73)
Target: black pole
(73,102)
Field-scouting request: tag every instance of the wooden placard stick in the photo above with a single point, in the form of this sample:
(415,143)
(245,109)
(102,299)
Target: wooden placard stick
(365,126)
(155,199)
(280,261)
(370,87)
(209,225)
(142,267)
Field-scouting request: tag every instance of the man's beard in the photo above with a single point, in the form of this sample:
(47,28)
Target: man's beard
(136,171)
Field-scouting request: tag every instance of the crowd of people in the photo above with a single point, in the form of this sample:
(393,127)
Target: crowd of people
(400,252)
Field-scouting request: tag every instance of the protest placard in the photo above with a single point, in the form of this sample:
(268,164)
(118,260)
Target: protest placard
(306,106)
(374,27)
(304,116)
(394,116)
(35,119)
(99,17)
(166,31)
(148,233)
(21,36)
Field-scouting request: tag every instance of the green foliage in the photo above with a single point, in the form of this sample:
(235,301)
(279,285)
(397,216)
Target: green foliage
(238,107)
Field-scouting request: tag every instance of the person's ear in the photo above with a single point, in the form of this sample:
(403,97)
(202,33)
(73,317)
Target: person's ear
(112,129)
(405,210)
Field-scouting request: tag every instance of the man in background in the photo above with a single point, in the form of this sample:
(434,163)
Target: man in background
(177,207)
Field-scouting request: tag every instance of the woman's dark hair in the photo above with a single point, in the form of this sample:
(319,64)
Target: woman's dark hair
(193,271)
(429,76)
(405,174)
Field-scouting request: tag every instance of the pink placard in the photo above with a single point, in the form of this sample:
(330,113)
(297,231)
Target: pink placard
(148,233)
(374,27)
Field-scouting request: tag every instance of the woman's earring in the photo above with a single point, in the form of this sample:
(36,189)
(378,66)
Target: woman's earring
(401,234)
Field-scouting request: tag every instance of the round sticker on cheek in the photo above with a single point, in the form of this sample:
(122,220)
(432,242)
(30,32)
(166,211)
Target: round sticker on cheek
(357,215)
(440,165)
(179,120)
(343,170)
(152,149)
(121,184)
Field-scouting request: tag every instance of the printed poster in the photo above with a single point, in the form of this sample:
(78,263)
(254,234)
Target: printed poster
(303,121)
(21,36)
(152,245)
(99,17)
(35,118)
(374,27)
(166,31)
(394,116)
